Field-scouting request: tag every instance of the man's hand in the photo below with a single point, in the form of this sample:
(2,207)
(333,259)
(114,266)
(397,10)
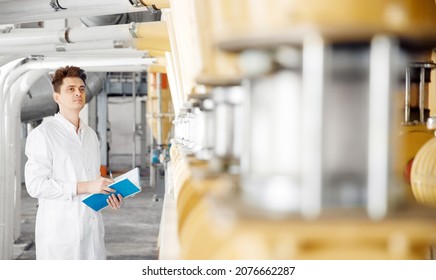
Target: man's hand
(101,186)
(98,186)
(115,201)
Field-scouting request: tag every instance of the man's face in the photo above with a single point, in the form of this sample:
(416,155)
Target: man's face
(72,94)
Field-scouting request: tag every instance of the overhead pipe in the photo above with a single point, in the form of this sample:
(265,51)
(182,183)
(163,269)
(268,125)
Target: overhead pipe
(152,35)
(35,36)
(40,10)
(125,52)
(104,20)
(10,74)
(63,48)
(5,59)
(87,63)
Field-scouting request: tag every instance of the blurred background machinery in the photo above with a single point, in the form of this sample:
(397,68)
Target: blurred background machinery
(317,115)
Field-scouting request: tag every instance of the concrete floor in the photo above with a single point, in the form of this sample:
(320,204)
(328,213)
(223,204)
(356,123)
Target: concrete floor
(131,232)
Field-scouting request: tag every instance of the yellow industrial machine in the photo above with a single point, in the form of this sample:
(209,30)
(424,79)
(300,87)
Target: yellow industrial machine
(297,123)
(423,171)
(411,122)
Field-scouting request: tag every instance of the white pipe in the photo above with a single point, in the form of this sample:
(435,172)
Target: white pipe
(134,120)
(5,59)
(114,32)
(313,85)
(62,48)
(38,10)
(381,83)
(35,36)
(105,52)
(86,63)
(6,212)
(119,68)
(13,150)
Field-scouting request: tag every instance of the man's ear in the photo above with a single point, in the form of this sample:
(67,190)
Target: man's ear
(56,97)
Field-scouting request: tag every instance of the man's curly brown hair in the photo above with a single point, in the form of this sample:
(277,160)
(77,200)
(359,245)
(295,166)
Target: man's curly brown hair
(67,71)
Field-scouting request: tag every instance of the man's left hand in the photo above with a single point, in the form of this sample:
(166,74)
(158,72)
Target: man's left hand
(115,201)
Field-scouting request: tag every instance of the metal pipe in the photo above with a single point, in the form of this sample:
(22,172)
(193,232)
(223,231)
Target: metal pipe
(421,94)
(159,109)
(380,93)
(87,63)
(152,168)
(143,152)
(134,120)
(102,125)
(407,97)
(39,10)
(6,240)
(313,85)
(11,114)
(30,49)
(13,131)
(37,36)
(33,36)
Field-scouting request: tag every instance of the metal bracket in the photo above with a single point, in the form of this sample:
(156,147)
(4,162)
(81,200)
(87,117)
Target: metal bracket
(56,6)
(133,28)
(140,3)
(136,3)
(118,44)
(60,48)
(153,8)
(33,57)
(7,30)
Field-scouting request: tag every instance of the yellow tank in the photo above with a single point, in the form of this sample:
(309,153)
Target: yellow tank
(181,173)
(423,175)
(200,184)
(410,139)
(214,232)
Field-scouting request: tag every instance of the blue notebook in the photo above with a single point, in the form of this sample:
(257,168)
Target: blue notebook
(123,185)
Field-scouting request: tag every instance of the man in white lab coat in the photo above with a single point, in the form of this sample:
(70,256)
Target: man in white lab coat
(63,167)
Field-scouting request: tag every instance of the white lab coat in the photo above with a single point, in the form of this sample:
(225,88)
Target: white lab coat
(58,158)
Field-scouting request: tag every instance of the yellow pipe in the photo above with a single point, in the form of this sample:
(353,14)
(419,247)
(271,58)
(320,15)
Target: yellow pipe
(157,53)
(350,20)
(152,35)
(157,68)
(401,15)
(159,4)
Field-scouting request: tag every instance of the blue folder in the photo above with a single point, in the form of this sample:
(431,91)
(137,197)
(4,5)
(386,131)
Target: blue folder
(124,187)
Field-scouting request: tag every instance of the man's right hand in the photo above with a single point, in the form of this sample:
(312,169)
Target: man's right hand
(98,186)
